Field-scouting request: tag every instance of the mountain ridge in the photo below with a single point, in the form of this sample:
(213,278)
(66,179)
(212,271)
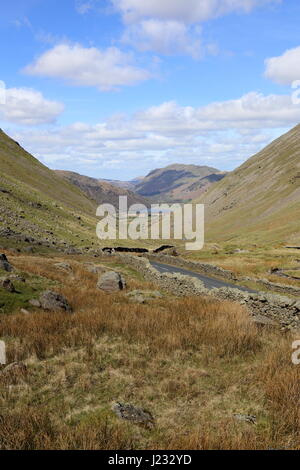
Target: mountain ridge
(260,200)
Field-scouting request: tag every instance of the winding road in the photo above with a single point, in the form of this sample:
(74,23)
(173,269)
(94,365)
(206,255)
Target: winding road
(209,282)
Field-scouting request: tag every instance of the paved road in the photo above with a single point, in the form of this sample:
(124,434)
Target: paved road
(209,282)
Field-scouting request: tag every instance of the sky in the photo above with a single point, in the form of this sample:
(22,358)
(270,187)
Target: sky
(116,88)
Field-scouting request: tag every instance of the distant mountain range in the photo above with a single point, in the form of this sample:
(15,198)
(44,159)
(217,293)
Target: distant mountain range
(174,183)
(259,202)
(102,191)
(177,183)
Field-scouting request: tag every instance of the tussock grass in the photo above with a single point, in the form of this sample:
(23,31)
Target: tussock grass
(193,362)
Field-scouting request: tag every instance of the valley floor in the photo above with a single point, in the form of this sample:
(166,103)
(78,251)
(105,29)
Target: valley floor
(209,376)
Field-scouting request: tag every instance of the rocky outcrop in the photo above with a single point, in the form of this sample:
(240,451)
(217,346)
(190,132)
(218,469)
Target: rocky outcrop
(111,282)
(8,285)
(133,414)
(4,263)
(53,301)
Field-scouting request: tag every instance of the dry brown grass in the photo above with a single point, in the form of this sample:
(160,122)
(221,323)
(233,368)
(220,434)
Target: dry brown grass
(193,361)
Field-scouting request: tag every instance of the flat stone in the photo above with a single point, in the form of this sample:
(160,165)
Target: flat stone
(35,303)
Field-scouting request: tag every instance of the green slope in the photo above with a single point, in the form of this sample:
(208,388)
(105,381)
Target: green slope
(38,203)
(259,201)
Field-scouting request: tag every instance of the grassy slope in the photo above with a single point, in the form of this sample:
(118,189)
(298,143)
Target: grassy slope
(192,372)
(101,191)
(260,201)
(28,182)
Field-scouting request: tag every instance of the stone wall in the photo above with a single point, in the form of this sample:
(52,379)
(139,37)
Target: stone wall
(215,271)
(283,310)
(283,288)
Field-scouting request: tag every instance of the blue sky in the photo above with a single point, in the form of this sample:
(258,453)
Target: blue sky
(116,88)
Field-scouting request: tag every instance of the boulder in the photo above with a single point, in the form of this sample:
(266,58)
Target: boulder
(111,282)
(53,301)
(64,266)
(4,263)
(8,285)
(133,414)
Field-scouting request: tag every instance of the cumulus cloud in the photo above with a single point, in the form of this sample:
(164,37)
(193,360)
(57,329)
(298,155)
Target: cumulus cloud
(222,134)
(82,7)
(166,37)
(284,69)
(188,11)
(251,111)
(104,69)
(168,26)
(28,107)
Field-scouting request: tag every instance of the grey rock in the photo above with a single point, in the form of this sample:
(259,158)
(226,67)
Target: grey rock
(24,311)
(134,414)
(4,263)
(28,249)
(35,303)
(142,297)
(246,418)
(53,301)
(8,285)
(17,277)
(65,266)
(111,282)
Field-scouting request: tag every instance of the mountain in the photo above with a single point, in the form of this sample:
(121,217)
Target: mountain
(38,205)
(178,183)
(260,200)
(125,184)
(101,191)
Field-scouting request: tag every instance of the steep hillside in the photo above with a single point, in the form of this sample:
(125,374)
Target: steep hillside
(101,191)
(37,205)
(260,200)
(178,182)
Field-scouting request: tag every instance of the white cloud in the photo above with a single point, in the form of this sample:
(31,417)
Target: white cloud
(222,134)
(284,69)
(251,111)
(165,37)
(28,107)
(104,69)
(188,11)
(170,26)
(83,7)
